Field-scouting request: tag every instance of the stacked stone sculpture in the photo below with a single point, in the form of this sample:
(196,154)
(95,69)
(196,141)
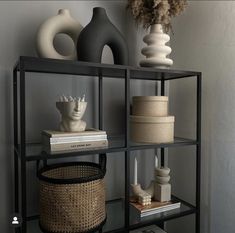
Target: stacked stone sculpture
(159,188)
(162,188)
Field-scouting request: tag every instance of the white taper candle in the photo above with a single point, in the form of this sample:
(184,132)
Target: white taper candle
(135,172)
(156,161)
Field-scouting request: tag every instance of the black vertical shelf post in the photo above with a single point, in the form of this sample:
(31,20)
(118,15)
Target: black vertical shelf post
(16,162)
(162,94)
(198,152)
(100,106)
(23,148)
(100,101)
(162,225)
(127,145)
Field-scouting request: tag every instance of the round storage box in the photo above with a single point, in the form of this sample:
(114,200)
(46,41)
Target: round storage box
(152,129)
(72,198)
(150,106)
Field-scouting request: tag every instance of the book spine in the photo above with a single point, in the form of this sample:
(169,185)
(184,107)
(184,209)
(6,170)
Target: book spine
(77,139)
(157,211)
(162,208)
(76,146)
(73,134)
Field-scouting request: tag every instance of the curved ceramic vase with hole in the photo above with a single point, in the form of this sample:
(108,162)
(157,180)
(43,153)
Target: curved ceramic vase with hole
(61,23)
(98,33)
(156,50)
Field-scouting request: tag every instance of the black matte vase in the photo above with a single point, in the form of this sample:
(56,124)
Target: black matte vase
(98,33)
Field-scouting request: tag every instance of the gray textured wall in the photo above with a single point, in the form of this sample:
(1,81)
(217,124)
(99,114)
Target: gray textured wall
(204,41)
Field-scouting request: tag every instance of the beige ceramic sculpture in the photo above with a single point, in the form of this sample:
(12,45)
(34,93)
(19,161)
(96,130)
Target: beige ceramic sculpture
(72,111)
(141,195)
(159,188)
(61,23)
(162,189)
(156,50)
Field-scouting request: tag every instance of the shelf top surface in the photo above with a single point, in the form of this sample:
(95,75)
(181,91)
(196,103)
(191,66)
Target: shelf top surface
(116,212)
(34,150)
(136,221)
(47,65)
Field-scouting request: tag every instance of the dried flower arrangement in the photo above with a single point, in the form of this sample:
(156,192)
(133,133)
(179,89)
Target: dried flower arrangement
(149,12)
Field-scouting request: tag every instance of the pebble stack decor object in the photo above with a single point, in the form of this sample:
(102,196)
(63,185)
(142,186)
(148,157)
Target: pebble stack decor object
(162,189)
(150,122)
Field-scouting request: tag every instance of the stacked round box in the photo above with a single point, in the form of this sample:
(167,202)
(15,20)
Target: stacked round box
(150,122)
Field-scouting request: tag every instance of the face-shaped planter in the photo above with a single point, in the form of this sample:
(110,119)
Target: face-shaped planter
(71,115)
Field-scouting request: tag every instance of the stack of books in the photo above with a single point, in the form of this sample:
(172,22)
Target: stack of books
(154,208)
(57,141)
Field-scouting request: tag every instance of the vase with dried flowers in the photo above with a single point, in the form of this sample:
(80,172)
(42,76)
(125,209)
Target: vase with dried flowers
(156,15)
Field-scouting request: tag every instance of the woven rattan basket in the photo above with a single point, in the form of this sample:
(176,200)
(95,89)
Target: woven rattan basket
(72,197)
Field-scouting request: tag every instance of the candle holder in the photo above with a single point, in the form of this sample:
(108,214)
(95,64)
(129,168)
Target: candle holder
(141,195)
(162,189)
(150,189)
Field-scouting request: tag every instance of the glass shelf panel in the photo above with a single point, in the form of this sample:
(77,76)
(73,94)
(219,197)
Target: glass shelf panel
(115,218)
(116,215)
(47,65)
(34,150)
(177,142)
(136,221)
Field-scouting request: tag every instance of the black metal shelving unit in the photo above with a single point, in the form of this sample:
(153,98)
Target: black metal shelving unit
(25,152)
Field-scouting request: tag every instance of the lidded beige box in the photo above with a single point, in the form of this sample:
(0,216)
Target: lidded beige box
(150,106)
(150,122)
(152,129)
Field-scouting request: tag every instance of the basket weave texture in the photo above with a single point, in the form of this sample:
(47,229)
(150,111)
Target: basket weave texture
(72,207)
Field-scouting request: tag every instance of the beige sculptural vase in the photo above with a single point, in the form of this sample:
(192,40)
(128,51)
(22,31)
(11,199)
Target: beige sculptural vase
(156,51)
(61,23)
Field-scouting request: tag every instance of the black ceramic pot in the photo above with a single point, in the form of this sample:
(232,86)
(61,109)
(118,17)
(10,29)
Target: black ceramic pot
(98,33)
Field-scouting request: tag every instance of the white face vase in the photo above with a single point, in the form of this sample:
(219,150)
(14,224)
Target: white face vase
(71,115)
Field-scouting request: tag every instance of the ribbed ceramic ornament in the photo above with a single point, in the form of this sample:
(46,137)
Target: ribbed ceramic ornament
(156,50)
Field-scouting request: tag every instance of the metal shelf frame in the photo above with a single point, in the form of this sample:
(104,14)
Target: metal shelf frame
(39,65)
